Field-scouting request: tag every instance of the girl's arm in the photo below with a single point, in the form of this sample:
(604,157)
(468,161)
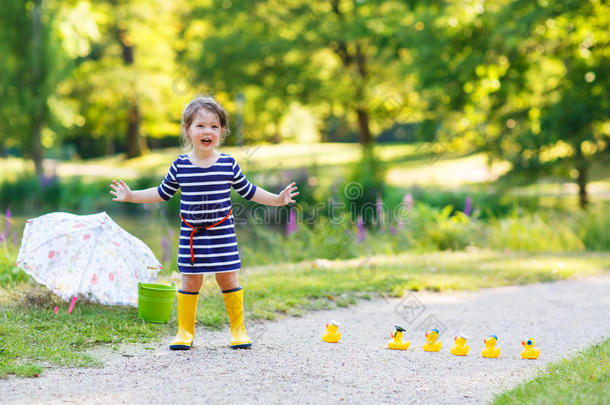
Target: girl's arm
(122,192)
(262,196)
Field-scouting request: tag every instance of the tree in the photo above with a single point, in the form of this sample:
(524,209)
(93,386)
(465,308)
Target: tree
(42,43)
(528,82)
(338,57)
(124,88)
(31,62)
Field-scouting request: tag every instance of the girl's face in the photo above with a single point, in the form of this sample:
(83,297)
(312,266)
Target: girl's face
(204,131)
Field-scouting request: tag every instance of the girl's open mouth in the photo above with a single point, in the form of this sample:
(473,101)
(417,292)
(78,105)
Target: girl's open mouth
(206,141)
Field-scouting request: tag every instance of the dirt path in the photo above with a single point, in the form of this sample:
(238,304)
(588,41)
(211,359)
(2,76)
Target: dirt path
(289,363)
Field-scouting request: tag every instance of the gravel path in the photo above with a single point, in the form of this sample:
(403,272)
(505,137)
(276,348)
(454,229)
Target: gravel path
(289,363)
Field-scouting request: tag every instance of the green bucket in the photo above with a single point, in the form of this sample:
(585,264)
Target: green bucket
(155,302)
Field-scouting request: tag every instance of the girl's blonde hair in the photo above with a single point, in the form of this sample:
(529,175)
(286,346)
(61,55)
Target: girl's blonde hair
(203,103)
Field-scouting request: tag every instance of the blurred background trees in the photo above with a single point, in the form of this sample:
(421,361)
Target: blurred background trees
(32,65)
(525,81)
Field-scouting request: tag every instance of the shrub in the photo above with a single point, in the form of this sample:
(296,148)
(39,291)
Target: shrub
(533,233)
(593,228)
(9,272)
(445,229)
(364,186)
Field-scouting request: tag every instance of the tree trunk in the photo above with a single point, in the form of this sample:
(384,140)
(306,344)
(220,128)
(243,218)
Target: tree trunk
(583,198)
(363,126)
(37,152)
(110,150)
(135,142)
(363,116)
(36,82)
(134,147)
(358,61)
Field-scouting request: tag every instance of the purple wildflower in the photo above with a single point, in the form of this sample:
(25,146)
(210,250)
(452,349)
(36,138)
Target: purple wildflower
(5,234)
(167,246)
(361,236)
(401,225)
(468,205)
(48,181)
(408,201)
(8,215)
(379,209)
(292,226)
(164,250)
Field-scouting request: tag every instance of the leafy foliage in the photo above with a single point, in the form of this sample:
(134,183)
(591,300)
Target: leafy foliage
(527,81)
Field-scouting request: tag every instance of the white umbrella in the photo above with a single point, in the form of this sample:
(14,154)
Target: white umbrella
(88,256)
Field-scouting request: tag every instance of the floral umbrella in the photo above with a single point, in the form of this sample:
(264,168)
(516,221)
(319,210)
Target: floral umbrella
(88,256)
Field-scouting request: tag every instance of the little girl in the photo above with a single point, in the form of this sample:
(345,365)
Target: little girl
(207,233)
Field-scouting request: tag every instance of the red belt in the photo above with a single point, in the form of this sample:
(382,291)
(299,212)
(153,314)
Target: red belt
(196,230)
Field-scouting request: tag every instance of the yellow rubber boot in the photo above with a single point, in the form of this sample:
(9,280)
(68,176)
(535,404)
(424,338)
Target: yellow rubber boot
(187,308)
(234,302)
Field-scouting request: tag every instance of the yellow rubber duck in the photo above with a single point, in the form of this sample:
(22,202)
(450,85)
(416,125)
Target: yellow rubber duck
(529,351)
(396,343)
(432,345)
(332,334)
(460,348)
(490,350)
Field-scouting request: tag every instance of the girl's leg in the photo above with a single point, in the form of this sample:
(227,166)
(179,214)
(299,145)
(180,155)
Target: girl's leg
(233,296)
(188,295)
(191,282)
(227,281)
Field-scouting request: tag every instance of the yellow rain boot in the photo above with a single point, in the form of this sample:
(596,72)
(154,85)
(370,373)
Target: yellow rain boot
(187,308)
(234,302)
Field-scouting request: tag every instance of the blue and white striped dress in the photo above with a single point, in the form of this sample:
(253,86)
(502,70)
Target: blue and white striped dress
(204,200)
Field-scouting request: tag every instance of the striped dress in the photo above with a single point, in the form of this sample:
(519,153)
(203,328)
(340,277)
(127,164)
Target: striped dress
(205,200)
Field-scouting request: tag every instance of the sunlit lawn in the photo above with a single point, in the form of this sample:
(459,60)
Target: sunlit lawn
(11,167)
(407,165)
(256,157)
(448,171)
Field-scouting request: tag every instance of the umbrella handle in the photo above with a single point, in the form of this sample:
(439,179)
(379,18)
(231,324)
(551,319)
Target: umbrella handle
(72,304)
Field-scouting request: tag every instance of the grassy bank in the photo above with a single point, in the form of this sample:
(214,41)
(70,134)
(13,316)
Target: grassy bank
(32,336)
(583,379)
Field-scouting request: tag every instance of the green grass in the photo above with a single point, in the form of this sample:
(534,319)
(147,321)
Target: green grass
(583,379)
(295,288)
(32,336)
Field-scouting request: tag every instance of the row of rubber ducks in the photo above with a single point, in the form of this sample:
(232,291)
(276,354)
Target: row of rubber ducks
(432,344)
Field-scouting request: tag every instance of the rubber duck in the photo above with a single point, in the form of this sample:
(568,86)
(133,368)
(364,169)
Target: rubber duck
(396,343)
(332,334)
(529,351)
(432,345)
(490,350)
(460,348)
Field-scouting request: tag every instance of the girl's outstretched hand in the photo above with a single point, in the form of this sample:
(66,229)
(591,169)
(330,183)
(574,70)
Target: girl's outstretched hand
(120,190)
(285,197)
